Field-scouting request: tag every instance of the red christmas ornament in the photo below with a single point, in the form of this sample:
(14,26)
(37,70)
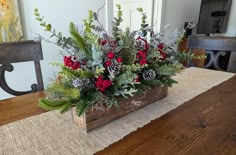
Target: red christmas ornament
(110,55)
(119,60)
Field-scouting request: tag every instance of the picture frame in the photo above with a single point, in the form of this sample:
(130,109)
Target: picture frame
(10,21)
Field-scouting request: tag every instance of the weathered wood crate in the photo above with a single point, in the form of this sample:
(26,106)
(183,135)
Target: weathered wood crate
(94,118)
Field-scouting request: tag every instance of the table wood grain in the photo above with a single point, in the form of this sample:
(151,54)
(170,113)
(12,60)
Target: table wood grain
(205,125)
(20,107)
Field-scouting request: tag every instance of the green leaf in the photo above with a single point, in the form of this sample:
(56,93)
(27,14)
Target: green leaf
(140,10)
(42,24)
(167,70)
(36,14)
(49,104)
(113,102)
(126,78)
(48,27)
(65,108)
(78,39)
(39,19)
(80,107)
(85,74)
(118,6)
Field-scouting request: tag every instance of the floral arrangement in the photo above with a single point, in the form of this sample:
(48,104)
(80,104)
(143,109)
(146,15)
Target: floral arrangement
(98,67)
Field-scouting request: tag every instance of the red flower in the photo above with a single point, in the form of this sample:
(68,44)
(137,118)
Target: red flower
(110,55)
(119,60)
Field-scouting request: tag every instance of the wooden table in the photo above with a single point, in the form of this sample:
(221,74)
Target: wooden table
(11,110)
(204,125)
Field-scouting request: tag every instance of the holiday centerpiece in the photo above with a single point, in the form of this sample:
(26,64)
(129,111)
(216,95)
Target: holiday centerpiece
(104,77)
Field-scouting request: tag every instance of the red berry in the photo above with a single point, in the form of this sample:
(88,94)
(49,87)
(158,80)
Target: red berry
(137,79)
(163,55)
(119,59)
(160,47)
(138,56)
(143,62)
(108,63)
(104,42)
(110,55)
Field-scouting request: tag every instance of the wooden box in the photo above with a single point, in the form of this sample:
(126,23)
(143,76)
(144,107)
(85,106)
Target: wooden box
(95,118)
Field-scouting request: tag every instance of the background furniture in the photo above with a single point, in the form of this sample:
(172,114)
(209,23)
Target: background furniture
(198,52)
(21,51)
(217,49)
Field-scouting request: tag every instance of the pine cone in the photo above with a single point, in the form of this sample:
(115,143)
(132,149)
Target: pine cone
(149,74)
(140,45)
(114,67)
(79,83)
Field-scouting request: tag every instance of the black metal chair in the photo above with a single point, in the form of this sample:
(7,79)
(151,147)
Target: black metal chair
(21,51)
(216,48)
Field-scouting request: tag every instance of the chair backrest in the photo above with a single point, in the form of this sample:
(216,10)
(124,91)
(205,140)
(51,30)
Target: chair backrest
(214,46)
(212,43)
(20,51)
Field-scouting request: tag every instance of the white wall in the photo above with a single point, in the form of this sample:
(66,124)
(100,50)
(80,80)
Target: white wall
(231,29)
(59,13)
(176,12)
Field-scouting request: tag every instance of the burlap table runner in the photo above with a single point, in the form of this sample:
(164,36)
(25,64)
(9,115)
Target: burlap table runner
(53,133)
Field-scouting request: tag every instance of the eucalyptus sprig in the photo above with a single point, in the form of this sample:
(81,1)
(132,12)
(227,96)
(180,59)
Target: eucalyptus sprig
(144,24)
(116,23)
(64,42)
